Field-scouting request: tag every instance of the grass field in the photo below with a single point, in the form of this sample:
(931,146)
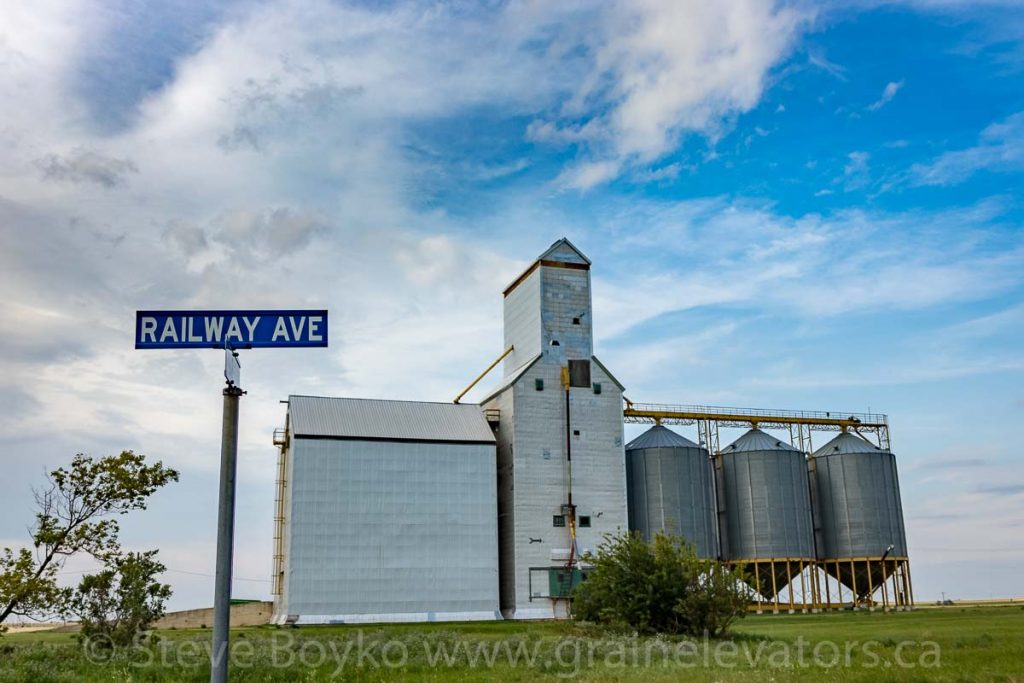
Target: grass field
(949,644)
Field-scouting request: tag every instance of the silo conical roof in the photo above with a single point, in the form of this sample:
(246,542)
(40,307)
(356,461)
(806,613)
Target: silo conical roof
(756,440)
(660,437)
(847,443)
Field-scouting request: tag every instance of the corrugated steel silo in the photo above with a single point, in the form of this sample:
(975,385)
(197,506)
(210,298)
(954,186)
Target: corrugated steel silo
(670,488)
(768,525)
(859,515)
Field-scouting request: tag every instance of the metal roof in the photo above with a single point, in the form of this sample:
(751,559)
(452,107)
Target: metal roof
(847,443)
(511,379)
(373,419)
(660,437)
(564,250)
(607,372)
(756,440)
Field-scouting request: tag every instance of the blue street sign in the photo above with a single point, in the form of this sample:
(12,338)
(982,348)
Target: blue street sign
(229,329)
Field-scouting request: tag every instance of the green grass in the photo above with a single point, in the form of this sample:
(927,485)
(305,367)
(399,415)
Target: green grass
(958,644)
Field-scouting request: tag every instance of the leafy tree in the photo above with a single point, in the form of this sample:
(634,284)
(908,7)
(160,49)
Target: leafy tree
(123,600)
(75,514)
(659,587)
(717,597)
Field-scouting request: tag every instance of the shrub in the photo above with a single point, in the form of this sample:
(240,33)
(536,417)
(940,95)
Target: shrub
(121,602)
(659,587)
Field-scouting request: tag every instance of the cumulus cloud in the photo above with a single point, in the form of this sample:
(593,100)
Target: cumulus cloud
(1000,148)
(663,69)
(267,234)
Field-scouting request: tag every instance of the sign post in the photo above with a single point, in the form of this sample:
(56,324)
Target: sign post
(225,531)
(228,330)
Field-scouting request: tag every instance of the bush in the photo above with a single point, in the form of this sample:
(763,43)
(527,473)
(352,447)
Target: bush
(659,587)
(121,602)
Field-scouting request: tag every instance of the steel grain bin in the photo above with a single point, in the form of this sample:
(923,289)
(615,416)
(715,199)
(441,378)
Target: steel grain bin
(764,491)
(862,540)
(670,489)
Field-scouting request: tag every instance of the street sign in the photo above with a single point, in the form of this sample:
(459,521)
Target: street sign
(229,329)
(232,368)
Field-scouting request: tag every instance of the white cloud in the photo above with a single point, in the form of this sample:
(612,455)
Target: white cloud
(1000,148)
(663,69)
(888,93)
(857,171)
(586,175)
(664,173)
(817,58)
(816,266)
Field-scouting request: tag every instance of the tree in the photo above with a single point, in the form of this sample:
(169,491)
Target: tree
(715,600)
(659,587)
(75,514)
(121,601)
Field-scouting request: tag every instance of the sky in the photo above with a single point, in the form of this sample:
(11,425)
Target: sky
(788,205)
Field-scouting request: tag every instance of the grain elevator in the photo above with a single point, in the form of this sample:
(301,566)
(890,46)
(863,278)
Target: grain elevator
(561,463)
(391,510)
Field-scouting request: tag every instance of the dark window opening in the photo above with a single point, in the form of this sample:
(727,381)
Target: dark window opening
(584,521)
(558,520)
(575,432)
(575,321)
(597,387)
(554,342)
(579,373)
(538,384)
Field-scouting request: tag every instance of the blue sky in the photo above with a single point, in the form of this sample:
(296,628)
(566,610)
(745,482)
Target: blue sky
(790,205)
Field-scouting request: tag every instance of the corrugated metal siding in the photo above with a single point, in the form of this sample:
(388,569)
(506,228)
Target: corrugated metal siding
(506,505)
(522,323)
(767,499)
(859,500)
(565,295)
(539,489)
(669,489)
(379,528)
(355,418)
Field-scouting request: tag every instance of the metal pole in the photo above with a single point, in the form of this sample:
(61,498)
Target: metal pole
(225,536)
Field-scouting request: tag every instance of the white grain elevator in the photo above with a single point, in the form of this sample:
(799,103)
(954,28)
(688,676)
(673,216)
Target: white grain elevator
(561,461)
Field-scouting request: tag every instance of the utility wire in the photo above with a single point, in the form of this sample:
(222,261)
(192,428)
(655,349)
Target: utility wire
(211,576)
(176,571)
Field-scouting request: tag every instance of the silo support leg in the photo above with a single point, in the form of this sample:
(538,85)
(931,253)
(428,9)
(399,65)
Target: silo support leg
(909,584)
(803,587)
(839,587)
(885,588)
(903,588)
(815,577)
(789,583)
(828,593)
(853,576)
(757,583)
(871,587)
(775,590)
